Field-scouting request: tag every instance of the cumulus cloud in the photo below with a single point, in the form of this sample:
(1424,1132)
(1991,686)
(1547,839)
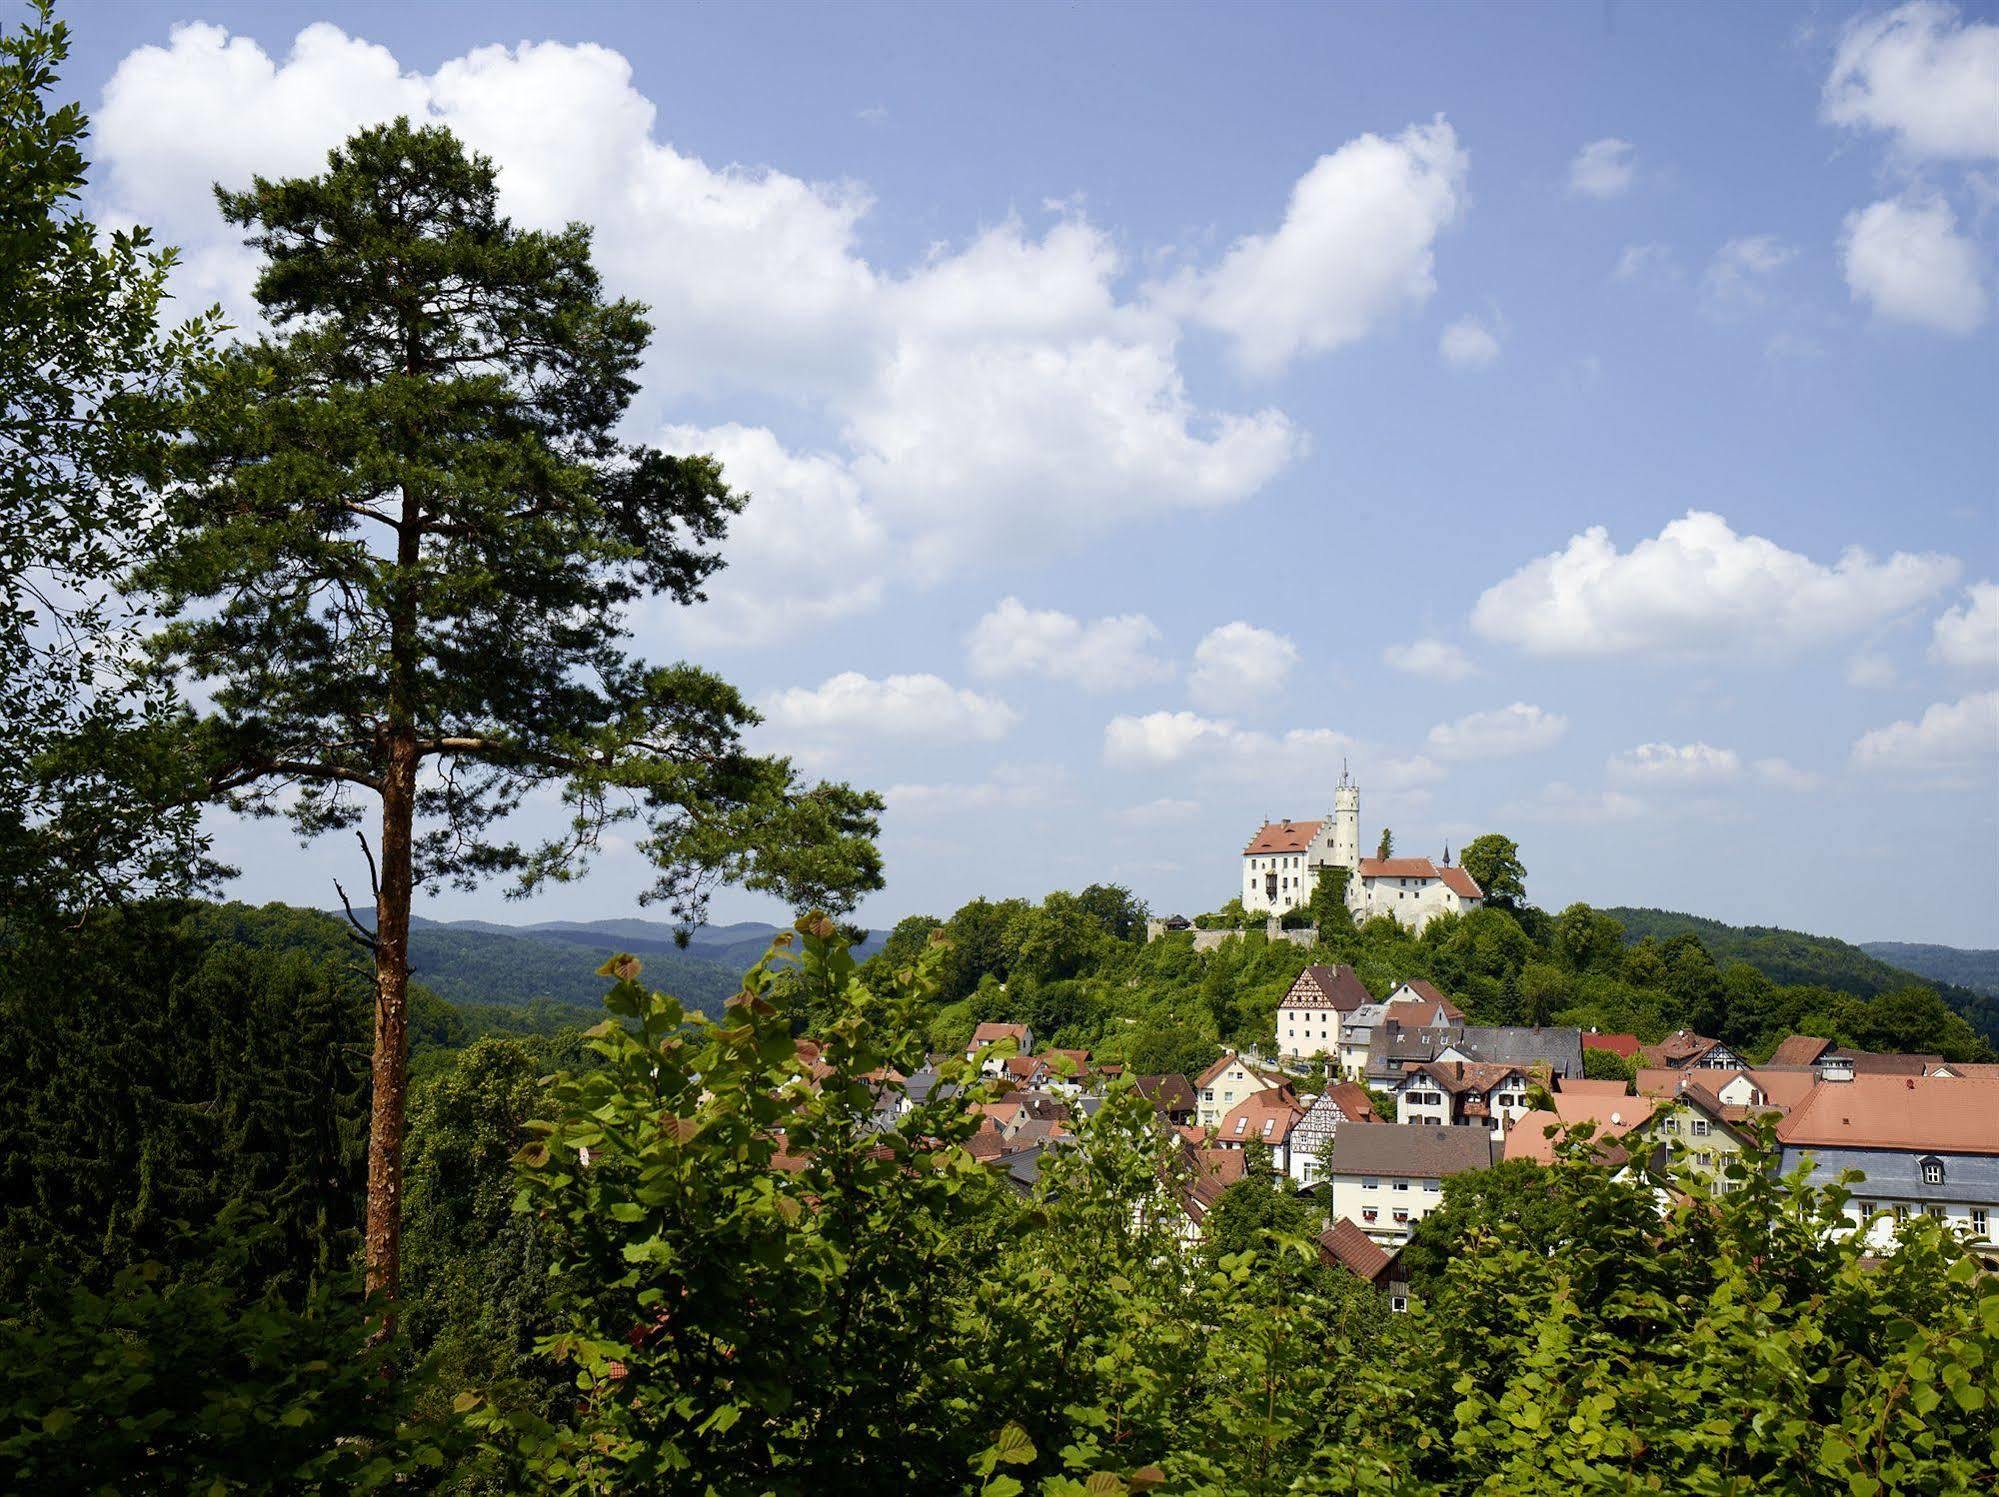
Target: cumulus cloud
(1922,75)
(1562,801)
(1905,259)
(1239,665)
(1603,169)
(1000,398)
(1156,739)
(1434,658)
(1675,764)
(1944,745)
(1781,774)
(851,705)
(1967,636)
(1010,788)
(1518,729)
(1468,344)
(1698,589)
(1099,655)
(1357,245)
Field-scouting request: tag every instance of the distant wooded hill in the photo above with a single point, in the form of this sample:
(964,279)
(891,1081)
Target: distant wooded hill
(484,962)
(1977,970)
(1790,956)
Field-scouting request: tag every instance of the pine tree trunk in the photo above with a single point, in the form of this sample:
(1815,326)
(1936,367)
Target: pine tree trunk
(383,1248)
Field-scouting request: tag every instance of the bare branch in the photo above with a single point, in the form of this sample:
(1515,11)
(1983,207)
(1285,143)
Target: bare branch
(360,933)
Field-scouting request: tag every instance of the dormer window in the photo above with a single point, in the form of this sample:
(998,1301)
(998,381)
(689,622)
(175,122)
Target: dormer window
(1932,1171)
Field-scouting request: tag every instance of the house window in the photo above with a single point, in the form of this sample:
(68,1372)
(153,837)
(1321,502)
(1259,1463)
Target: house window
(1431,1186)
(1368,1213)
(1932,1172)
(1400,1185)
(1669,1125)
(1901,1213)
(1934,1213)
(1370,1185)
(1978,1220)
(1398,1303)
(1700,1128)
(1401,1215)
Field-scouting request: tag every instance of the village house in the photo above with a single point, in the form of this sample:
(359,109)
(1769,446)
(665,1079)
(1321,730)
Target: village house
(1926,1144)
(1683,1049)
(1266,1117)
(1357,1028)
(1842,1062)
(1309,1015)
(1428,999)
(1345,1245)
(1394,1049)
(1342,1102)
(1611,1114)
(1702,1131)
(1388,1178)
(1172,1094)
(988,1035)
(1479,1093)
(1227,1082)
(1198,1177)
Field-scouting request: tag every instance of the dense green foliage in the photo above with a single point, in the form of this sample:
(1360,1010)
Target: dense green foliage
(89,782)
(1790,957)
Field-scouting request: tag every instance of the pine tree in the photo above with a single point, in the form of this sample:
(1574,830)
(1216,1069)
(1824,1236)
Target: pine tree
(1387,848)
(406,537)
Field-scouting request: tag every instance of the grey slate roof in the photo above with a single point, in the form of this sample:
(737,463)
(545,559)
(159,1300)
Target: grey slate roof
(1411,1149)
(1559,1049)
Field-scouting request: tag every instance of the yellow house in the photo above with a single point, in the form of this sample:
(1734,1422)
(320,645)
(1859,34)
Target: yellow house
(1701,1130)
(1227,1082)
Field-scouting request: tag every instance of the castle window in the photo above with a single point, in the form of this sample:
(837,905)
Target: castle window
(1932,1171)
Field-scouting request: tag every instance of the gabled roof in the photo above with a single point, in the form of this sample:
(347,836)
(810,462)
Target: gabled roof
(1799,1050)
(1411,1149)
(1229,1058)
(1456,1076)
(1338,988)
(1024,1067)
(1680,1048)
(1459,882)
(1613,1116)
(1170,1092)
(1453,878)
(1352,1100)
(1263,1117)
(1352,1249)
(1432,997)
(989,1034)
(1282,836)
(1947,1114)
(1579,1086)
(1209,1173)
(1559,1049)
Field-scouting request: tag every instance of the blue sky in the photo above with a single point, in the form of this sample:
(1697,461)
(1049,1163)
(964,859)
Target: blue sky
(1580,418)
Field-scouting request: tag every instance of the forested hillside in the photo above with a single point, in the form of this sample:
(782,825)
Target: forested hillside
(1974,969)
(1789,956)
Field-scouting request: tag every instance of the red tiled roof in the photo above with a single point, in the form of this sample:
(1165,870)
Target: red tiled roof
(1680,1048)
(1263,1117)
(1229,1058)
(1397,868)
(1577,1086)
(1950,1114)
(1211,1171)
(987,1034)
(1352,1100)
(1024,1067)
(1614,1117)
(1429,992)
(1352,1249)
(1282,836)
(1625,1045)
(1799,1050)
(1459,882)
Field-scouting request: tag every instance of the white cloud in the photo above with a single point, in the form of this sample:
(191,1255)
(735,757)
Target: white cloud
(1468,344)
(1967,636)
(906,707)
(1435,658)
(1905,259)
(1158,812)
(1646,262)
(1603,168)
(1919,74)
(1781,774)
(1561,801)
(1239,665)
(1737,275)
(1356,246)
(999,399)
(1870,671)
(1698,589)
(1518,729)
(1160,738)
(1944,745)
(1675,764)
(1011,788)
(1104,655)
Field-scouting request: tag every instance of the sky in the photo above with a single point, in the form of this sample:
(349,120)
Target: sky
(1578,419)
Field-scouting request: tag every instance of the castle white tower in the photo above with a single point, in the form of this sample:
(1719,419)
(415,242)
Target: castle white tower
(1345,851)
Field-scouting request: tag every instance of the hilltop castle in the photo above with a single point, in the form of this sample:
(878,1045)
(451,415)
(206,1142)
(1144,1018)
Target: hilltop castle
(1282,862)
